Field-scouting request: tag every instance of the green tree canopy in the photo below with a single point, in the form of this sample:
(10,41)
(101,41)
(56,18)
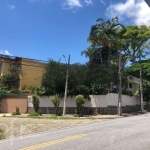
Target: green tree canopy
(137,42)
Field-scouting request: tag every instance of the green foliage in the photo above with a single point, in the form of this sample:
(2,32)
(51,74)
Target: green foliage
(17,112)
(1,133)
(54,78)
(11,80)
(14,114)
(33,114)
(146,91)
(54,116)
(3,93)
(136,39)
(134,69)
(36,103)
(15,91)
(79,105)
(98,89)
(56,100)
(137,93)
(104,39)
(80,99)
(81,89)
(127,92)
(37,90)
(103,53)
(75,115)
(100,74)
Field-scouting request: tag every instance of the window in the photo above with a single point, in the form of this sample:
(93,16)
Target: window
(19,66)
(12,65)
(0,67)
(130,85)
(18,83)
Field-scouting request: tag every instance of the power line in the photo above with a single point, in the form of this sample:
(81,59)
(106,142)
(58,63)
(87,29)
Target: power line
(16,57)
(27,65)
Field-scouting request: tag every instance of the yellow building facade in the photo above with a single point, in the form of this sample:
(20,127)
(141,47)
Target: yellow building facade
(31,70)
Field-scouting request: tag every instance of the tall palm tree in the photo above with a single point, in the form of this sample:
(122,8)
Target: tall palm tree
(88,53)
(103,34)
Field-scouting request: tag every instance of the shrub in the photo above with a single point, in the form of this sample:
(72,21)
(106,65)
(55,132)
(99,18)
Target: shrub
(54,116)
(56,100)
(75,115)
(1,134)
(36,103)
(79,105)
(81,89)
(3,93)
(127,92)
(37,90)
(16,112)
(15,91)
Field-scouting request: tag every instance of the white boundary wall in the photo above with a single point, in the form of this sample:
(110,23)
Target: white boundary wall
(110,99)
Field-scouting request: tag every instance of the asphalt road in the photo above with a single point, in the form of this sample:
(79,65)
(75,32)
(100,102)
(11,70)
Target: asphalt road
(130,133)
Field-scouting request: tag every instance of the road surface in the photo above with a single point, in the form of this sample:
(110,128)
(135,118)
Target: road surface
(130,133)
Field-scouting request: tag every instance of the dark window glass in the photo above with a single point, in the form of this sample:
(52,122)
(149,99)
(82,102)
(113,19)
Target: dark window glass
(130,85)
(0,67)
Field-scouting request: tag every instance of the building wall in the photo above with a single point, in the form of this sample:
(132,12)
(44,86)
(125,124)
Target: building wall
(99,104)
(6,61)
(32,73)
(135,84)
(9,105)
(134,88)
(5,65)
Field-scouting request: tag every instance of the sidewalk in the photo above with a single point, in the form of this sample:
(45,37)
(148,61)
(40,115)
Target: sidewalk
(84,117)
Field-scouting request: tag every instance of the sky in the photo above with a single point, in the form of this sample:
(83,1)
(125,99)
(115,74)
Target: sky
(49,29)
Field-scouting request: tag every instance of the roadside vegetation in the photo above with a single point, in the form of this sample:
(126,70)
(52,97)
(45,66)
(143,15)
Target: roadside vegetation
(108,40)
(1,134)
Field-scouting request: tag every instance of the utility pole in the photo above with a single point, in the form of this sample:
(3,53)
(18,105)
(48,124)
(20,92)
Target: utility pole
(66,86)
(120,87)
(141,87)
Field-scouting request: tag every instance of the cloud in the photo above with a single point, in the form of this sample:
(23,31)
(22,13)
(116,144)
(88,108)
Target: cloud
(69,4)
(5,52)
(135,10)
(88,2)
(102,2)
(11,6)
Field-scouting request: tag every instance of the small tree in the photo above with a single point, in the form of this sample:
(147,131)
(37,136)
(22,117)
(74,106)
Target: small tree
(56,101)
(36,103)
(146,91)
(3,93)
(79,104)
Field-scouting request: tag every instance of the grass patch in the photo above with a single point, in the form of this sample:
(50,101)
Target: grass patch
(1,134)
(15,113)
(33,114)
(54,116)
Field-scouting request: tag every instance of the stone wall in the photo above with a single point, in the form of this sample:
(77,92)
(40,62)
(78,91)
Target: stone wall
(89,110)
